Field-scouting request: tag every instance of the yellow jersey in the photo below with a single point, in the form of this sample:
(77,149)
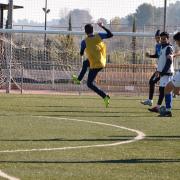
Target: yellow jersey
(96,51)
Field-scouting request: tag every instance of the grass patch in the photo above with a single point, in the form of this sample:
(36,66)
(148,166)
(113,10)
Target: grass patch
(155,157)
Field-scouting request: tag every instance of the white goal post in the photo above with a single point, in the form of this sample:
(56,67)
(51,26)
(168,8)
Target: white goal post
(80,33)
(35,66)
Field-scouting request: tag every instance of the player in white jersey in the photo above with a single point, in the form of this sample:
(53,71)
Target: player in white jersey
(173,85)
(165,69)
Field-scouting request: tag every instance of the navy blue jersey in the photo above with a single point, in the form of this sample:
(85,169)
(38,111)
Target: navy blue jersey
(158,49)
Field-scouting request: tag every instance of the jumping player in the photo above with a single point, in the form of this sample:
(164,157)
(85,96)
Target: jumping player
(153,80)
(95,50)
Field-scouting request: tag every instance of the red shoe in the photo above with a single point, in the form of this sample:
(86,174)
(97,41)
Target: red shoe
(154,109)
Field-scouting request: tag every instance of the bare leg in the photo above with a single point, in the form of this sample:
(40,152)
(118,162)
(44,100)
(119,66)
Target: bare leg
(169,88)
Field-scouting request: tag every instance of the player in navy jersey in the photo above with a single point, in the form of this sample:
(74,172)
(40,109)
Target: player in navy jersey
(153,80)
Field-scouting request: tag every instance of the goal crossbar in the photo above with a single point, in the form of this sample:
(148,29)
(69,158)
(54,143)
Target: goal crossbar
(80,33)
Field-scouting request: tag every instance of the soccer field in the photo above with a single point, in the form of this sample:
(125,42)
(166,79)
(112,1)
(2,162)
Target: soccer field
(51,137)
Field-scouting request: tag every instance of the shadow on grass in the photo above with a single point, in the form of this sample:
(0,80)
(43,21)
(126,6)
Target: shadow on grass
(112,138)
(121,161)
(104,115)
(120,138)
(92,112)
(92,107)
(77,97)
(100,113)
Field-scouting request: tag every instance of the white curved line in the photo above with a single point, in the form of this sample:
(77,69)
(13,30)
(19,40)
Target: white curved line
(140,136)
(6,176)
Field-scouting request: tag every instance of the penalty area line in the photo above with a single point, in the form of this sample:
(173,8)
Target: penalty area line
(6,176)
(140,136)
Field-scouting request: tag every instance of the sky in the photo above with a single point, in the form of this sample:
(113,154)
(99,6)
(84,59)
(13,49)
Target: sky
(107,9)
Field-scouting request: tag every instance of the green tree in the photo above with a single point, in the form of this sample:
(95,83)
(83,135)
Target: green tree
(103,20)
(144,15)
(80,17)
(115,24)
(173,14)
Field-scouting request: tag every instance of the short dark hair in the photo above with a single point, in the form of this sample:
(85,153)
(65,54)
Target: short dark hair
(176,37)
(157,33)
(88,28)
(165,34)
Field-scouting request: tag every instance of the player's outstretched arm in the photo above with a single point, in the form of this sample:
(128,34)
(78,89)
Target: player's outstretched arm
(147,54)
(172,56)
(109,33)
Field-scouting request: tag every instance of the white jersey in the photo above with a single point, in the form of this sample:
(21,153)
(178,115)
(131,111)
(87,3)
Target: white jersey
(162,61)
(164,80)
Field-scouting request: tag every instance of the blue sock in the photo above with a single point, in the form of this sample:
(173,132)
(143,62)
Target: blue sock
(168,100)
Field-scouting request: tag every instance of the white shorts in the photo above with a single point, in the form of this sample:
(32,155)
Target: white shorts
(164,80)
(176,80)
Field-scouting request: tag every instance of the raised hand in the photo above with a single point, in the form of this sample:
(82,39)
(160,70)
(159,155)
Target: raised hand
(100,24)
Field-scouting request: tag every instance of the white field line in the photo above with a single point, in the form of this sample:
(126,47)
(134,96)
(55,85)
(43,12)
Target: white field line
(6,176)
(140,136)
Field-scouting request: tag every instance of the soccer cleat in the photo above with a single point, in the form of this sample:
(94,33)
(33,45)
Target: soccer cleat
(165,114)
(106,100)
(154,109)
(75,79)
(162,109)
(147,102)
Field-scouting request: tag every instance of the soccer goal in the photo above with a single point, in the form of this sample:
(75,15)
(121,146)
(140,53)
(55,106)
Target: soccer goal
(33,64)
(44,58)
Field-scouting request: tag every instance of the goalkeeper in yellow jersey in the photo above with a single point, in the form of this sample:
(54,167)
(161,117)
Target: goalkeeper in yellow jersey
(95,49)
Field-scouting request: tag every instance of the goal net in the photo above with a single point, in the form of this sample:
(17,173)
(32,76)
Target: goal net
(33,59)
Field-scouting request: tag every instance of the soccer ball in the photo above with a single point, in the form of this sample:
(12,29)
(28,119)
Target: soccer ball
(162,109)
